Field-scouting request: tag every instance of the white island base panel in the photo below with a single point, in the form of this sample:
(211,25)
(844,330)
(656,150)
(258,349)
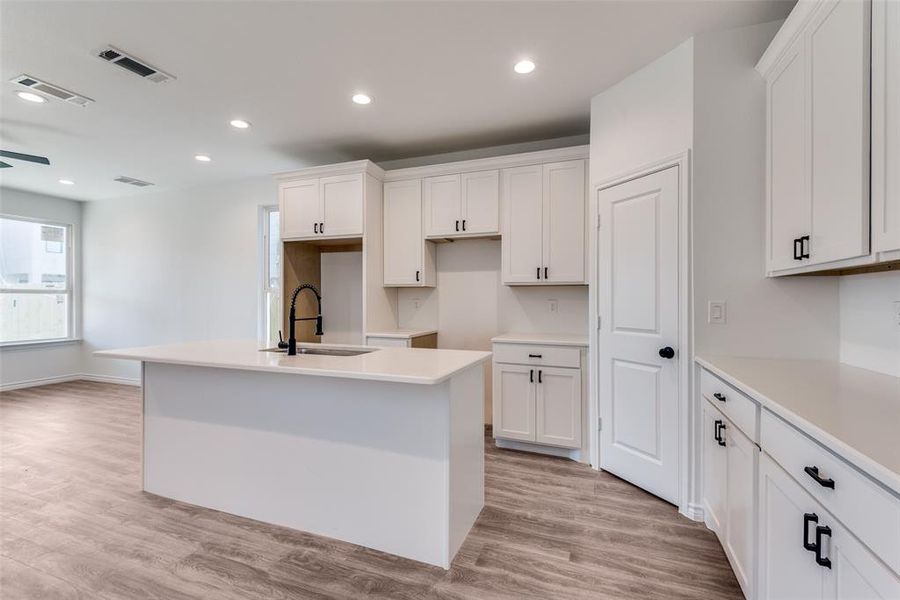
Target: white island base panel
(392,466)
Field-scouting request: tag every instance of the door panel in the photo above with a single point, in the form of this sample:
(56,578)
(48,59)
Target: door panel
(839,105)
(637,257)
(563,221)
(342,205)
(403,245)
(559,407)
(522,224)
(300,208)
(514,402)
(856,574)
(481,201)
(442,204)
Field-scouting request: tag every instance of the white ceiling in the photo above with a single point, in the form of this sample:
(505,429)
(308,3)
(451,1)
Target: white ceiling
(440,75)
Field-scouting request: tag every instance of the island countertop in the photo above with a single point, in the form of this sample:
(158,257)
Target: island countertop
(401,365)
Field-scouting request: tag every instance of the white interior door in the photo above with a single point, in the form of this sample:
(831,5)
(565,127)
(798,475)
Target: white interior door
(638,253)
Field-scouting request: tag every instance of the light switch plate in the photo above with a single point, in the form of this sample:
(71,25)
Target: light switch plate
(716,313)
(553,306)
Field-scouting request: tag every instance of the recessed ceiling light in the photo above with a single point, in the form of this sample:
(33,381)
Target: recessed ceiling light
(240,124)
(67,182)
(361,99)
(31,97)
(202,158)
(524,66)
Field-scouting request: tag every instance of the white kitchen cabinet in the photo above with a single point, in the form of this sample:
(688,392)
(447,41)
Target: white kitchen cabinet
(514,402)
(558,407)
(544,224)
(714,470)
(409,260)
(886,127)
(462,204)
(323,207)
(818,103)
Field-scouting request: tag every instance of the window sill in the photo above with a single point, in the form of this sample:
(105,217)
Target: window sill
(33,345)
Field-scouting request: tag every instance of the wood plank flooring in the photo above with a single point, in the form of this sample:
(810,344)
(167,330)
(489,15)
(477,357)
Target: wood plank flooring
(74,524)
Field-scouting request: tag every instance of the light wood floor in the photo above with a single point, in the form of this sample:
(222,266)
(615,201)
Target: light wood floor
(74,524)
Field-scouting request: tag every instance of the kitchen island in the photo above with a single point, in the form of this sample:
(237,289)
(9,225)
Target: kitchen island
(384,449)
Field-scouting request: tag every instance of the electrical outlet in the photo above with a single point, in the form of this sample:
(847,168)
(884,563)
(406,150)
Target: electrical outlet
(553,306)
(417,303)
(716,313)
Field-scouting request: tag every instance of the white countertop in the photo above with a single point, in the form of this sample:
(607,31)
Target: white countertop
(402,365)
(853,411)
(403,334)
(549,339)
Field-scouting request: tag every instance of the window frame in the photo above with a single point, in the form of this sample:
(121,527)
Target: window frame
(263,285)
(69,291)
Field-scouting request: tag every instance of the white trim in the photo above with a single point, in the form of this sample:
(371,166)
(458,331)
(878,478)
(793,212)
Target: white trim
(262,236)
(28,383)
(494,162)
(344,168)
(694,512)
(571,453)
(792,27)
(33,345)
(686,413)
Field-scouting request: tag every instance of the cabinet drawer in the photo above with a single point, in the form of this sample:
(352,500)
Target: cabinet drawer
(527,354)
(868,510)
(740,409)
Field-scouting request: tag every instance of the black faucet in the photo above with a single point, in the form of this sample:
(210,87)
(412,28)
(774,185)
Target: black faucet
(292,317)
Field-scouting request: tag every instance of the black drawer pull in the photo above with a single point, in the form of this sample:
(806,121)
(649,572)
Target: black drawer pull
(535,356)
(539,376)
(546,273)
(315,228)
(457,224)
(417,275)
(531,376)
(538,272)
(807,519)
(822,560)
(798,249)
(716,430)
(464,224)
(814,473)
(722,428)
(804,253)
(719,397)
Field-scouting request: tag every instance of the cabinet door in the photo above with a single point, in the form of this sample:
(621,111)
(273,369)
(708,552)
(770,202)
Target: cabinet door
(342,202)
(514,402)
(739,541)
(855,573)
(839,48)
(521,244)
(300,210)
(564,222)
(481,202)
(787,570)
(559,407)
(403,243)
(885,125)
(442,205)
(788,207)
(714,473)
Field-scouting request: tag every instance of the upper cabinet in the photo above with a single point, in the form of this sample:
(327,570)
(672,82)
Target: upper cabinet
(832,97)
(544,217)
(325,202)
(462,205)
(408,258)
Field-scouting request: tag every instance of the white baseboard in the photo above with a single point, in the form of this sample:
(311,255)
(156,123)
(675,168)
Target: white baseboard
(538,448)
(17,385)
(693,511)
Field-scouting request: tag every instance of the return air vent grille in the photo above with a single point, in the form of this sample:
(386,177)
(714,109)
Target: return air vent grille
(132,181)
(48,89)
(133,64)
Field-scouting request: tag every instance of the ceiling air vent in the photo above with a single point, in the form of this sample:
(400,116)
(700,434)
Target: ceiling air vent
(132,181)
(133,64)
(54,91)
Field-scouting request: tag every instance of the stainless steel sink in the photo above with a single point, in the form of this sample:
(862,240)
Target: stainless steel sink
(323,351)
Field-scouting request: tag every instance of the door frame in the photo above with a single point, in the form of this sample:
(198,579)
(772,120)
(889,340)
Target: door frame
(687,413)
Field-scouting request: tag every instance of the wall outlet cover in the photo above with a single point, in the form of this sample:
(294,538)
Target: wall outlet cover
(553,306)
(716,313)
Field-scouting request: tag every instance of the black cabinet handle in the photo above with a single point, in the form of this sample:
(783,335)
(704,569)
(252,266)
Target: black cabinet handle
(716,430)
(804,254)
(814,473)
(546,273)
(464,224)
(720,397)
(535,356)
(667,352)
(457,224)
(538,272)
(722,428)
(315,228)
(539,376)
(822,560)
(798,249)
(531,376)
(417,275)
(322,227)
(807,519)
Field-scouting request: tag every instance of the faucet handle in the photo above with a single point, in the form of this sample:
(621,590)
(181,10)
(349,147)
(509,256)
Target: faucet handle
(281,342)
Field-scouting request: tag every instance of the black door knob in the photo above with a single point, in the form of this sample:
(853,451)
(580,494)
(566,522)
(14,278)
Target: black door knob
(667,352)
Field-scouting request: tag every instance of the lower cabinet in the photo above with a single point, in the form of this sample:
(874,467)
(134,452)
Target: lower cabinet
(730,461)
(805,553)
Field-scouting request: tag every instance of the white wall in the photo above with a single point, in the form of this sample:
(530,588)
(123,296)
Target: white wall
(171,266)
(792,317)
(870,330)
(46,363)
(341,298)
(470,304)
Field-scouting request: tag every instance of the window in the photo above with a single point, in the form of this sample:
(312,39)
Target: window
(36,302)
(270,294)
